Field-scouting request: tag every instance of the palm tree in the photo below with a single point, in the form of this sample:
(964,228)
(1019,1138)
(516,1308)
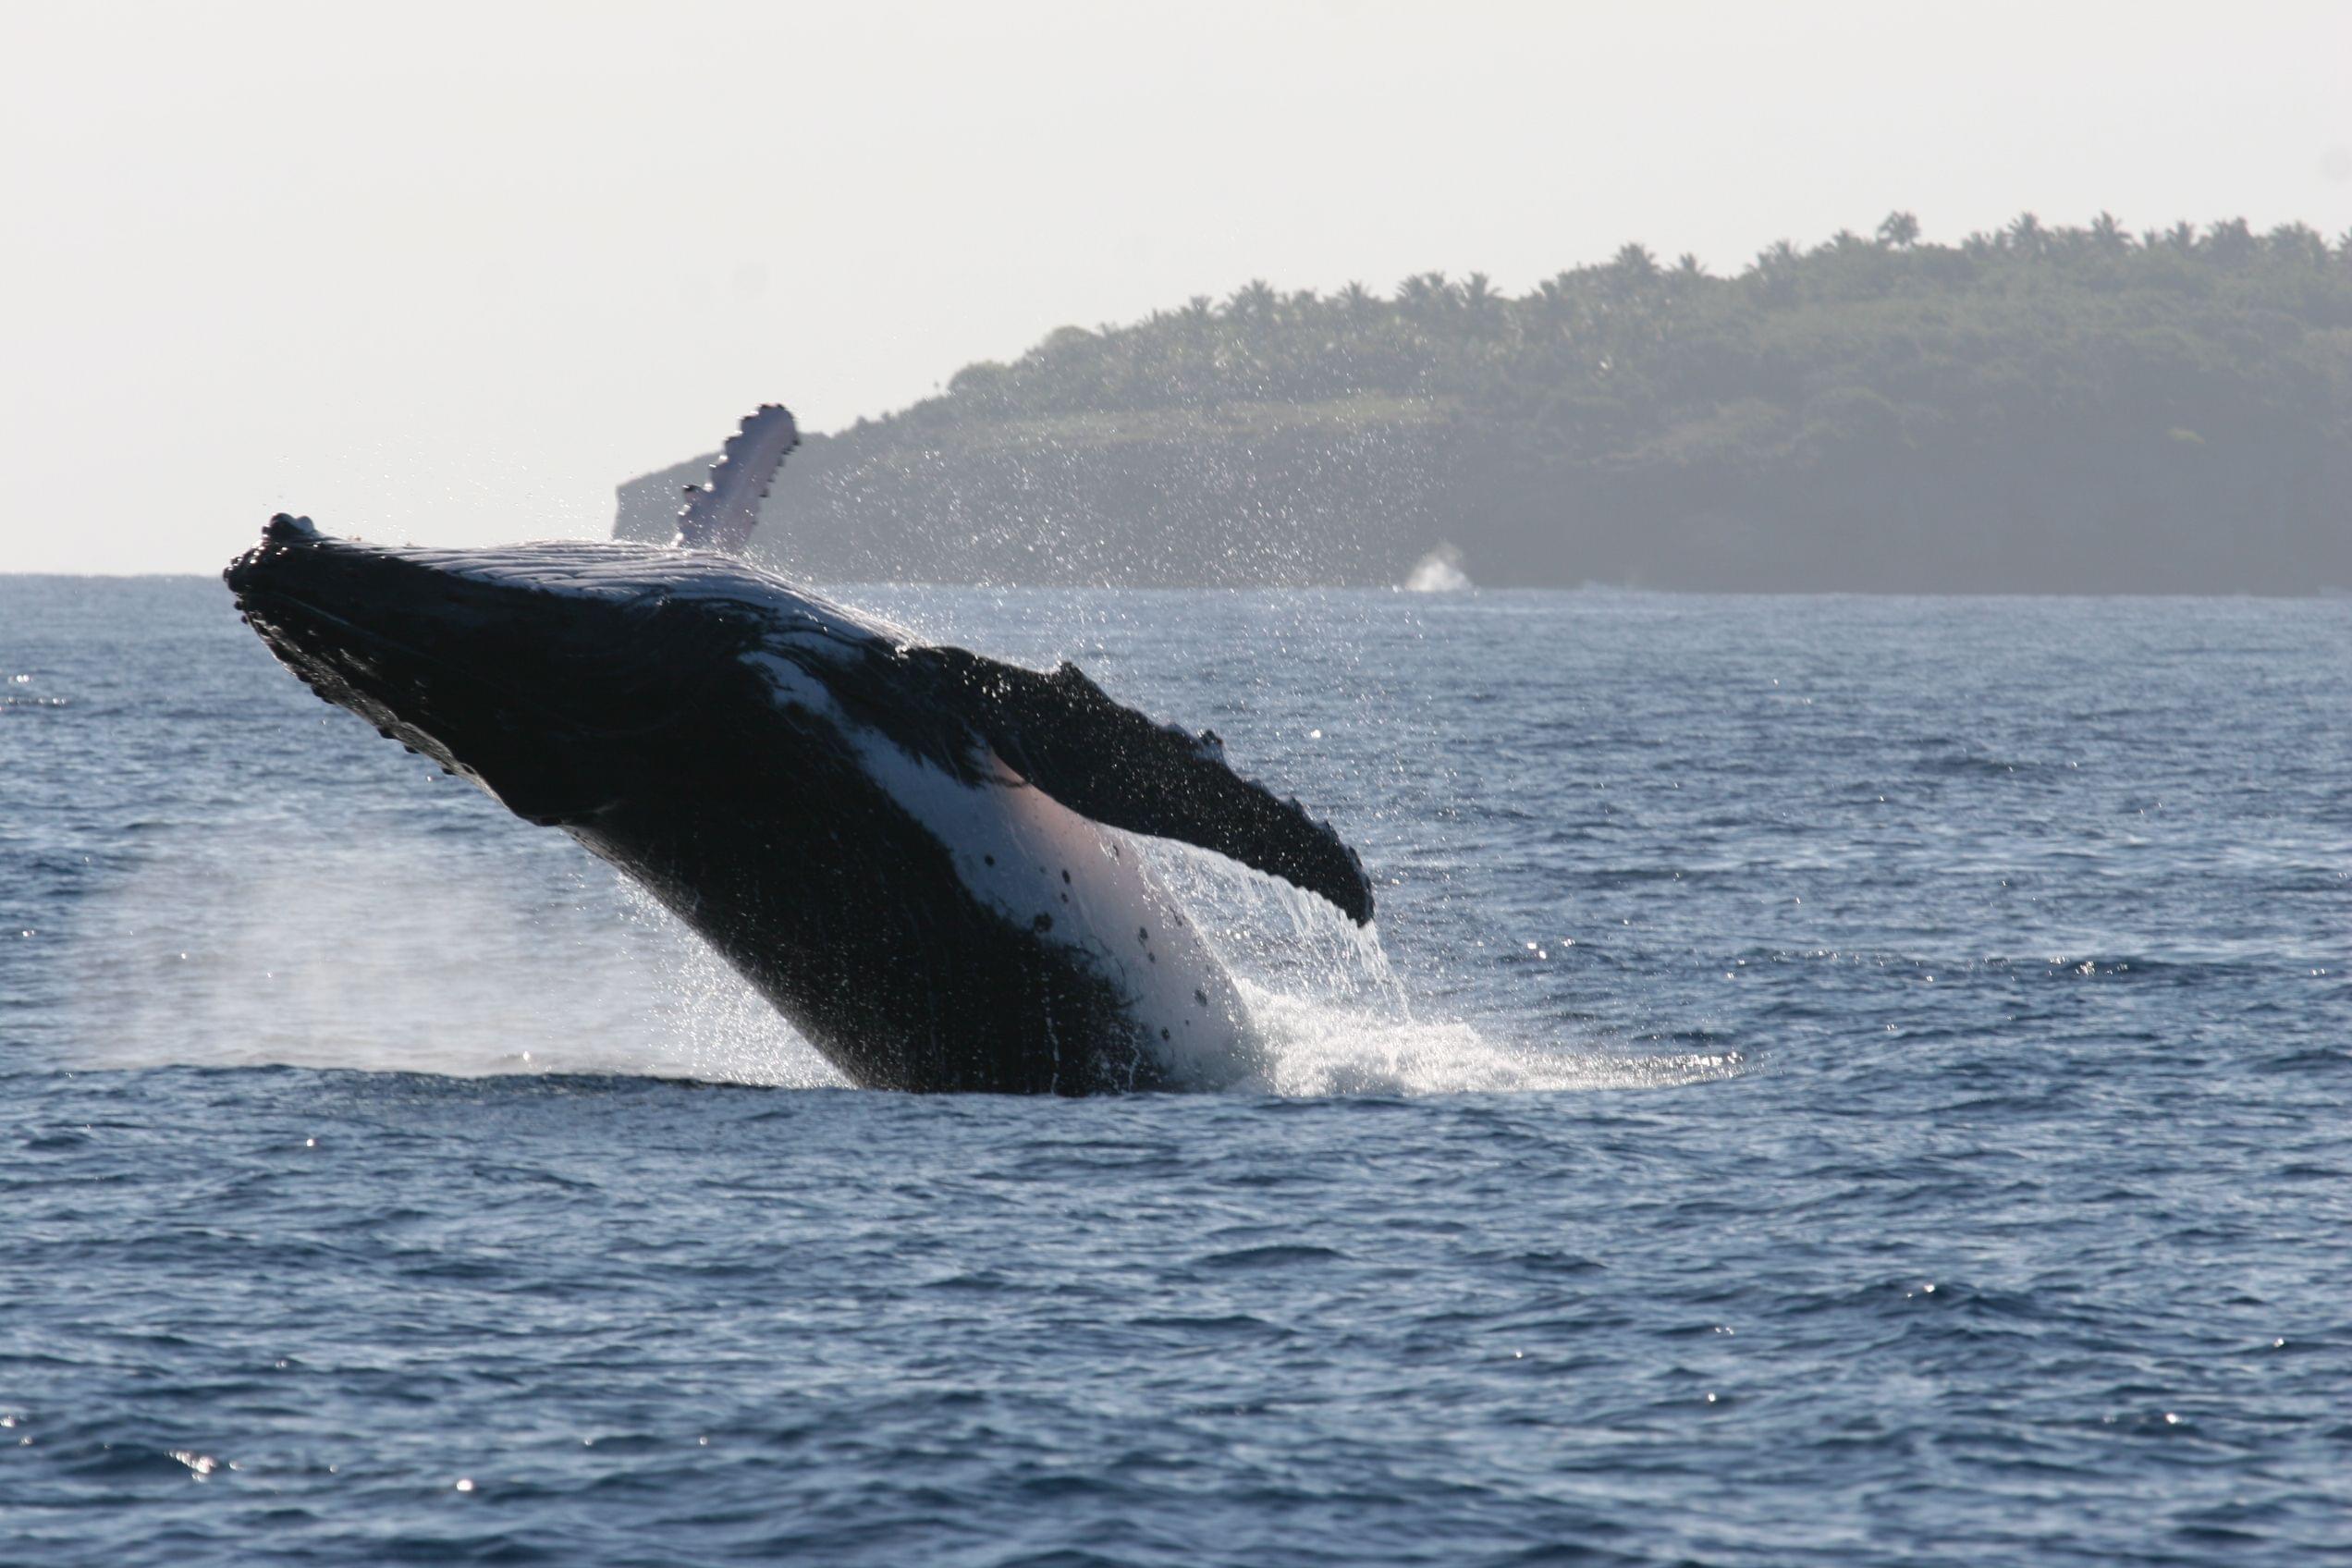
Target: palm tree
(1255,299)
(2108,236)
(2182,236)
(1899,231)
(1774,272)
(2027,236)
(2231,241)
(1554,298)
(1356,299)
(1478,294)
(1425,295)
(1635,263)
(1687,264)
(2297,242)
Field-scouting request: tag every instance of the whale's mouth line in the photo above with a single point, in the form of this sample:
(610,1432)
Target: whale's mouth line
(280,596)
(374,645)
(372,640)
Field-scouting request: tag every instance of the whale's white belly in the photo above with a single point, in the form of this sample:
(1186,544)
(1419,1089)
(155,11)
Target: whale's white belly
(1130,928)
(1079,885)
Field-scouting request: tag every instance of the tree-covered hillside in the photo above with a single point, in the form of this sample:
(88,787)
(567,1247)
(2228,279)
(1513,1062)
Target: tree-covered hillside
(2044,409)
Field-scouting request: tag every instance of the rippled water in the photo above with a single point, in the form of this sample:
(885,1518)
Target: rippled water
(1839,1082)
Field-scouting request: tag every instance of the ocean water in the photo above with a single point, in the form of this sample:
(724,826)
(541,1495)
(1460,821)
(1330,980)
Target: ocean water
(1837,1081)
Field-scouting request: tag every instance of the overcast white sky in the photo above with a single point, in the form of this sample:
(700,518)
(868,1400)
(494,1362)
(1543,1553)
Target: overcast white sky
(450,271)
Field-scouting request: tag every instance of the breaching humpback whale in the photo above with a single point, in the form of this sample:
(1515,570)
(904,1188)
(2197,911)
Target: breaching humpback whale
(913,852)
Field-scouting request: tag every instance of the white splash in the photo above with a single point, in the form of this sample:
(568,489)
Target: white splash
(409,955)
(1334,1017)
(712,1023)
(1315,1047)
(427,955)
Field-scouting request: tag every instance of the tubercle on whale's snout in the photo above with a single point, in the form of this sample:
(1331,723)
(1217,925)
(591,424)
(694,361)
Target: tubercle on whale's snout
(283,533)
(262,603)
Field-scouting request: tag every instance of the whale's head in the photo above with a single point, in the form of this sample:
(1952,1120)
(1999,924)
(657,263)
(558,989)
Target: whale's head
(535,670)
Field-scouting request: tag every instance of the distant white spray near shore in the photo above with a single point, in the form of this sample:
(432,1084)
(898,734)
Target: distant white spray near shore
(1439,571)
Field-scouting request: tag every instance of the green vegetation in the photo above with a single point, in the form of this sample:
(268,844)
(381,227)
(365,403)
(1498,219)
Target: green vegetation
(2070,408)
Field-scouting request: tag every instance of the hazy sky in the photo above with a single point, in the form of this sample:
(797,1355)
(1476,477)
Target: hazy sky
(450,273)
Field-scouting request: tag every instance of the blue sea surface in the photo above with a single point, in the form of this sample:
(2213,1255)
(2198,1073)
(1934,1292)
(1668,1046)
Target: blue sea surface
(1838,1081)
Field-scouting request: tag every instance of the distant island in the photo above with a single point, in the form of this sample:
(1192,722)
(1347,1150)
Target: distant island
(2040,410)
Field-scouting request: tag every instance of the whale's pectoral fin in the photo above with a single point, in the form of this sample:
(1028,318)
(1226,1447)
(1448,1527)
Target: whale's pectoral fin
(720,513)
(1105,761)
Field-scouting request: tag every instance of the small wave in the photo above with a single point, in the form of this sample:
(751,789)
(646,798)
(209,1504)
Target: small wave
(1278,1255)
(1959,762)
